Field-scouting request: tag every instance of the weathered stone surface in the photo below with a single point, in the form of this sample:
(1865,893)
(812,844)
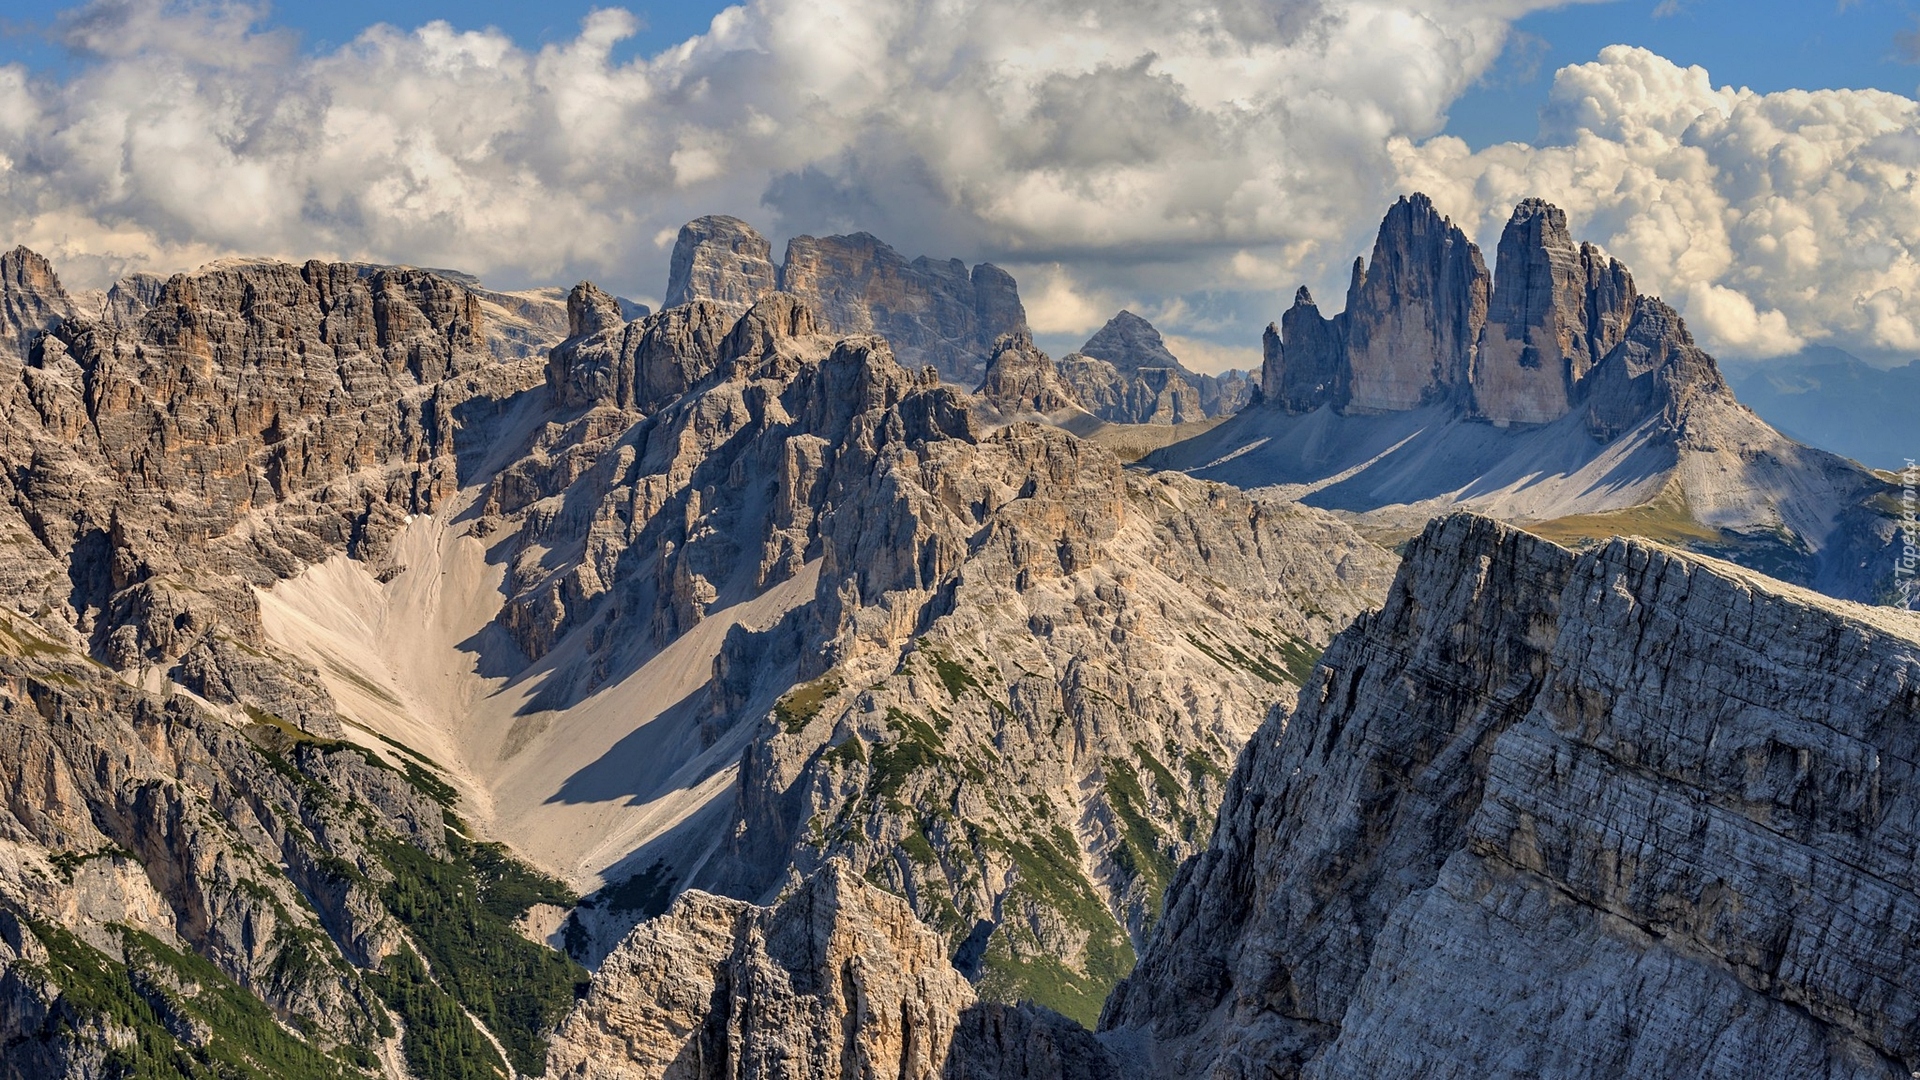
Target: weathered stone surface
(1415,312)
(1305,359)
(839,979)
(1557,310)
(722,259)
(1556,816)
(1022,381)
(31,302)
(1654,370)
(930,312)
(1125,374)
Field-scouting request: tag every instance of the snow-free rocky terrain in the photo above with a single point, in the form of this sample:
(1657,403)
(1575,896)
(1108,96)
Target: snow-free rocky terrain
(379,651)
(1549,392)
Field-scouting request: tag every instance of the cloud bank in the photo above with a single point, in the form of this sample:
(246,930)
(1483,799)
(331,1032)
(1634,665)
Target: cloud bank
(1193,162)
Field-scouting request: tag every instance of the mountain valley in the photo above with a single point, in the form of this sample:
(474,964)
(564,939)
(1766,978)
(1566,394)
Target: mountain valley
(814,678)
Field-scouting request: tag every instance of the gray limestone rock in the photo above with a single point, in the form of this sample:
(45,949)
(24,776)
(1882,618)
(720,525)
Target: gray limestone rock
(1415,312)
(1547,815)
(31,302)
(1557,310)
(930,312)
(722,259)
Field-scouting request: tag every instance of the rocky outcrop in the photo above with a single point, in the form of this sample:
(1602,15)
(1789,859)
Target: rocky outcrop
(1653,370)
(1304,365)
(981,596)
(1022,382)
(838,979)
(1414,313)
(1549,815)
(31,302)
(1567,399)
(1557,310)
(1125,375)
(931,312)
(722,259)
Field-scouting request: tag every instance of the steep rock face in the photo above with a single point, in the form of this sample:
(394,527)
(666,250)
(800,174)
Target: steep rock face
(1654,370)
(1550,815)
(1586,409)
(1310,369)
(977,606)
(930,312)
(839,979)
(1414,314)
(31,302)
(1557,310)
(720,258)
(1126,375)
(1021,381)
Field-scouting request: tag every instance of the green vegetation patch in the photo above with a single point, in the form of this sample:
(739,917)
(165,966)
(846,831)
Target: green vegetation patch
(440,1041)
(953,674)
(1048,869)
(231,1034)
(798,708)
(1139,852)
(461,913)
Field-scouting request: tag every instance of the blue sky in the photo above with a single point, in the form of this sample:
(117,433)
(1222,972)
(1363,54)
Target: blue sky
(1767,45)
(1102,152)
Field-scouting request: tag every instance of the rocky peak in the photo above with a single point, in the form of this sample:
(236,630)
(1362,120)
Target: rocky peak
(1557,309)
(1021,380)
(592,311)
(1414,312)
(1555,815)
(720,258)
(1126,374)
(1129,343)
(838,979)
(1655,370)
(32,301)
(1304,359)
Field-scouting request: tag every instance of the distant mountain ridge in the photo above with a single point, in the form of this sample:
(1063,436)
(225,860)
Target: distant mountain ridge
(1550,392)
(1827,398)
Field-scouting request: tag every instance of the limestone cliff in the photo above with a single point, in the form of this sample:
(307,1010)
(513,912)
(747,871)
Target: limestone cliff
(1556,395)
(951,696)
(722,259)
(931,312)
(1545,815)
(1124,374)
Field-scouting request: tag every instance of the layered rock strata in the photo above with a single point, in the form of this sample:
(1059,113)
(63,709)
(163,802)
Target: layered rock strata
(722,259)
(1549,815)
(839,979)
(931,312)
(1124,374)
(967,653)
(1427,324)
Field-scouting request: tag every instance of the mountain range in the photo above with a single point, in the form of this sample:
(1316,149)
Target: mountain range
(405,678)
(1824,397)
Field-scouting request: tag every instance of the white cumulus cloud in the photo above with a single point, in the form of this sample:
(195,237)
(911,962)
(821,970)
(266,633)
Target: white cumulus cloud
(1193,159)
(1769,220)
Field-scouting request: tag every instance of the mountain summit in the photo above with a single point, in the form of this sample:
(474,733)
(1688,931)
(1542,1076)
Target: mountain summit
(1551,393)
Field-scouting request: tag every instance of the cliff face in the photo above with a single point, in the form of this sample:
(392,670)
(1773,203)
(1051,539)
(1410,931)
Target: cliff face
(949,694)
(1559,397)
(1124,374)
(722,259)
(1557,311)
(839,979)
(931,312)
(1414,314)
(1550,815)
(1426,324)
